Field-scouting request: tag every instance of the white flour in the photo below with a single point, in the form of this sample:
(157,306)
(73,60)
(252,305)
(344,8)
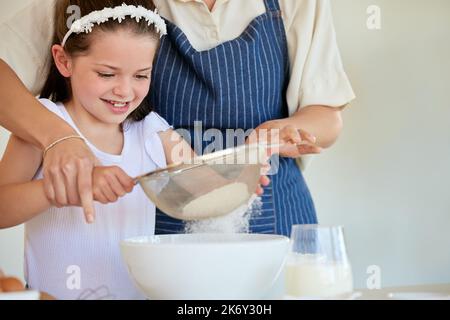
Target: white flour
(237,221)
(218,202)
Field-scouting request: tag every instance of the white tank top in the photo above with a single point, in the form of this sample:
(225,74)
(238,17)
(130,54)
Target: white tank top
(70,259)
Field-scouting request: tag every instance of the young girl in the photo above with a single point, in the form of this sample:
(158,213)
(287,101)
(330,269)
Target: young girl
(97,84)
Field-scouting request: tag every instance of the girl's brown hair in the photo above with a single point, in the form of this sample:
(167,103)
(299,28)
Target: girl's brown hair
(57,88)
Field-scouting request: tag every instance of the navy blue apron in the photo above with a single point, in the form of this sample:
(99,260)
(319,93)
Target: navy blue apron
(239,84)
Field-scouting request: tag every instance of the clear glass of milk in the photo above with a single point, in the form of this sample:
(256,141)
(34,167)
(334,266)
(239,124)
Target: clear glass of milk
(317,266)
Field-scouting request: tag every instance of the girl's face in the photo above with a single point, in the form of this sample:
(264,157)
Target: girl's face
(113,78)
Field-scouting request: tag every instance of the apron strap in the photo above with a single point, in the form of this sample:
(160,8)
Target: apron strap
(272,5)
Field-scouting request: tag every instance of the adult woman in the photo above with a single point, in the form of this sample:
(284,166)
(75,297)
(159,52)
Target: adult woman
(226,64)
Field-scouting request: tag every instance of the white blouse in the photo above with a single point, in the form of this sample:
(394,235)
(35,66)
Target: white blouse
(317,73)
(70,259)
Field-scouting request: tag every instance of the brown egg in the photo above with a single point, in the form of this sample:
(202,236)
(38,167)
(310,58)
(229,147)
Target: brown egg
(11,284)
(46,296)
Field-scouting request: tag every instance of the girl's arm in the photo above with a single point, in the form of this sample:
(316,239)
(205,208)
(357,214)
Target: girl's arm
(176,149)
(20,198)
(68,166)
(21,202)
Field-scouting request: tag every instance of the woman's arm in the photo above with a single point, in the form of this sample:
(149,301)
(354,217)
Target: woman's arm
(19,110)
(321,124)
(68,166)
(20,198)
(324,123)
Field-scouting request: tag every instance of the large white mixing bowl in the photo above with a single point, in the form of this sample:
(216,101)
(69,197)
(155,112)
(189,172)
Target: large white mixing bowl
(205,266)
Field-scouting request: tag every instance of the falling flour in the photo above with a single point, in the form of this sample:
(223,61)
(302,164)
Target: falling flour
(237,221)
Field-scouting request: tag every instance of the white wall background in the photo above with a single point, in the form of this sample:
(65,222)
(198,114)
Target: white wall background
(387,180)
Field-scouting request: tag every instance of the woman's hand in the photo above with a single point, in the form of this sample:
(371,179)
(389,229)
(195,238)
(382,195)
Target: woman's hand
(67,170)
(292,142)
(110,184)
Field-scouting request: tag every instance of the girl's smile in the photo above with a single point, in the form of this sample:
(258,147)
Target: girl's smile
(117,107)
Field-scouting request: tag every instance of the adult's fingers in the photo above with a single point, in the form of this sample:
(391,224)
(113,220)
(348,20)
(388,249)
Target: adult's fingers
(48,188)
(264,181)
(259,191)
(309,149)
(297,151)
(70,179)
(291,134)
(306,136)
(84,179)
(57,180)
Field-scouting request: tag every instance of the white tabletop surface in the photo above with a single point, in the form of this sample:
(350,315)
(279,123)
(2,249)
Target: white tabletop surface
(421,292)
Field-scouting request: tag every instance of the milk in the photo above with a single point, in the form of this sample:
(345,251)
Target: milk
(313,276)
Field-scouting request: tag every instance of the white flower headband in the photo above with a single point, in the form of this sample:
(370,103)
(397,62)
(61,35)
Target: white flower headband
(86,23)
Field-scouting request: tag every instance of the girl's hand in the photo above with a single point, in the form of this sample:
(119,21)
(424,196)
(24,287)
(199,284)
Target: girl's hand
(110,184)
(294,142)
